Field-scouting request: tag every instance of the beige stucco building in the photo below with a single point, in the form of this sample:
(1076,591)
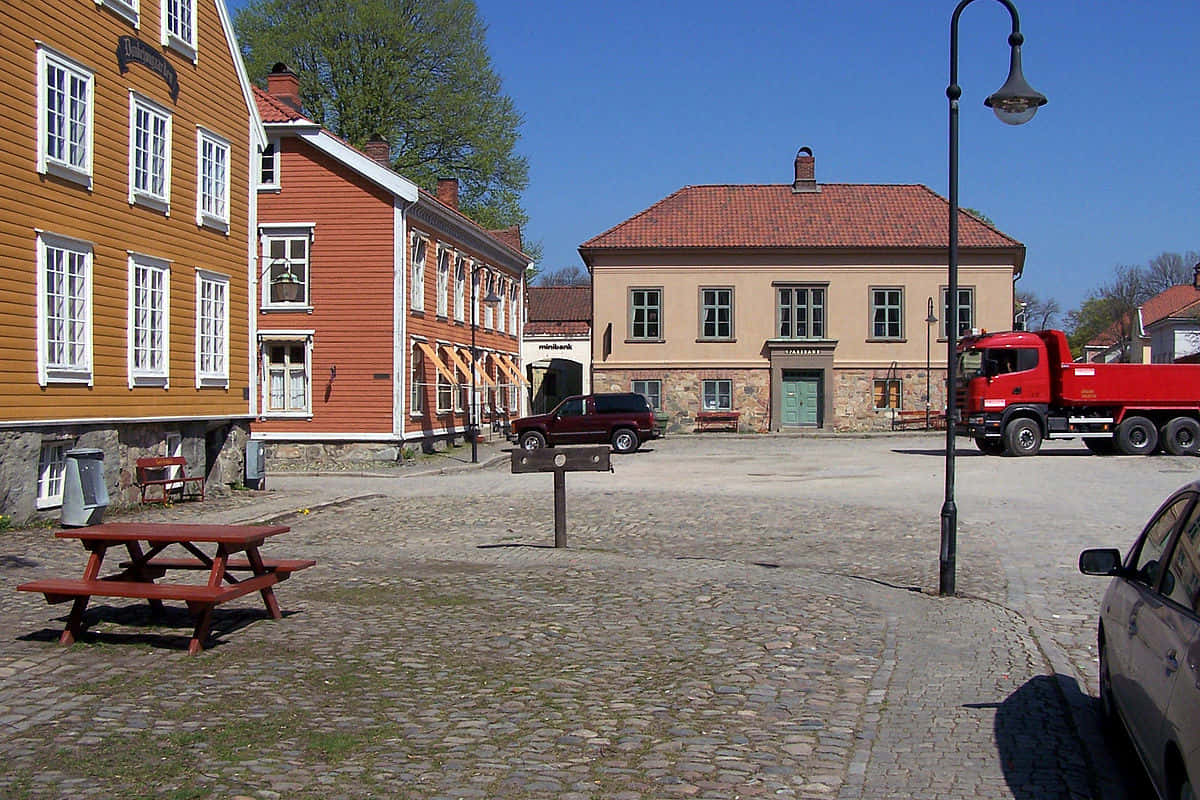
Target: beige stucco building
(797,305)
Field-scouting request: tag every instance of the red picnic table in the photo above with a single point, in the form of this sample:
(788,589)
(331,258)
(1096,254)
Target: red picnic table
(138,575)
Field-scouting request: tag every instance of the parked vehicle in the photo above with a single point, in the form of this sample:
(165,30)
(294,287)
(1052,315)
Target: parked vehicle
(623,419)
(1149,642)
(1016,388)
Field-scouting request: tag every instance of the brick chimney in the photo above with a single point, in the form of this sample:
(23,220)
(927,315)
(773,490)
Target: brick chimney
(378,149)
(447,191)
(284,86)
(805,172)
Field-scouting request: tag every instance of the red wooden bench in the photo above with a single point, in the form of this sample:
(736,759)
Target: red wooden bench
(902,420)
(728,420)
(156,471)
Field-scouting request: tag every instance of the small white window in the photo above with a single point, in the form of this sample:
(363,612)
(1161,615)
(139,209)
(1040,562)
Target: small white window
(288,376)
(149,312)
(126,9)
(212,181)
(52,467)
(460,288)
(212,330)
(149,154)
(64,286)
(268,167)
(502,293)
(443,280)
(419,246)
(417,383)
(64,121)
(287,281)
(179,26)
(514,309)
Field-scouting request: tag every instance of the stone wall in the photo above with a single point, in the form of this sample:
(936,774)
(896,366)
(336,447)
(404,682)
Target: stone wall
(682,391)
(854,398)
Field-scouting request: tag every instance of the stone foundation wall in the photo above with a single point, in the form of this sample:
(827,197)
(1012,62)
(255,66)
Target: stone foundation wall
(682,393)
(216,450)
(854,397)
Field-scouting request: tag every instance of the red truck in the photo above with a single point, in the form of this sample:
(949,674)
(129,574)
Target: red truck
(1017,388)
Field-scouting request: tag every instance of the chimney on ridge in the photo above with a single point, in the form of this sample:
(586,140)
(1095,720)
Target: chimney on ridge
(805,172)
(379,151)
(284,86)
(447,191)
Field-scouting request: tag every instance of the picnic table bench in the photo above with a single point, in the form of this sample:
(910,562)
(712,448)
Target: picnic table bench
(721,419)
(902,420)
(138,574)
(157,471)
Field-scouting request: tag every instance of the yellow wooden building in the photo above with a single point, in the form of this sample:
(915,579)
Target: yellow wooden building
(126,244)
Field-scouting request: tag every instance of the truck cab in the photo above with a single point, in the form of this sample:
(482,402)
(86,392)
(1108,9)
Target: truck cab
(1001,376)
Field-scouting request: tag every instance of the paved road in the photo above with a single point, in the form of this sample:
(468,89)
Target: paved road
(732,618)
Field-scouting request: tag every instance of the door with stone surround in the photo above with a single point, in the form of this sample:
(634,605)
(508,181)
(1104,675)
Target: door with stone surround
(801,401)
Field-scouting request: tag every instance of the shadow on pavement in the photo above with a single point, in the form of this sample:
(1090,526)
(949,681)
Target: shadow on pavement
(969,451)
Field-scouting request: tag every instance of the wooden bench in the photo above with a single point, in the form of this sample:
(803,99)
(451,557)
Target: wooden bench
(284,566)
(728,420)
(156,471)
(903,420)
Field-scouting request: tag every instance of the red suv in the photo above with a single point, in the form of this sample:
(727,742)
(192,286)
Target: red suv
(623,419)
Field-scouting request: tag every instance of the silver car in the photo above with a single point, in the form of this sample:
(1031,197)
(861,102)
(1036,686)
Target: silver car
(1150,642)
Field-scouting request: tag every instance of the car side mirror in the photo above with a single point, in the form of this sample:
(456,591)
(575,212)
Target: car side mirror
(1100,561)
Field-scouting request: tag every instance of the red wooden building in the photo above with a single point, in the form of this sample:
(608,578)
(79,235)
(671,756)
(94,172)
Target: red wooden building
(367,286)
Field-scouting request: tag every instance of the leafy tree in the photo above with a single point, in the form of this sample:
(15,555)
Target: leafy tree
(1039,314)
(1113,307)
(415,71)
(573,275)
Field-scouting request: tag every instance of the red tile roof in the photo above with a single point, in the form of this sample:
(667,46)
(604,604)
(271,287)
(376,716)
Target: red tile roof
(1169,302)
(560,304)
(272,110)
(773,216)
(557,328)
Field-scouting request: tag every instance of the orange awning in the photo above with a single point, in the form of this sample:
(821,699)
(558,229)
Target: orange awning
(432,355)
(508,366)
(463,369)
(480,372)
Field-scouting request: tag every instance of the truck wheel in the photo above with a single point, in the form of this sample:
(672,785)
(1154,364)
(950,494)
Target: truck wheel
(1137,436)
(1100,446)
(624,440)
(1022,437)
(532,440)
(991,447)
(1181,437)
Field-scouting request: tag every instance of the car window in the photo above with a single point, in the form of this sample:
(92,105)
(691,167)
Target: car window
(621,404)
(1184,584)
(1148,556)
(571,408)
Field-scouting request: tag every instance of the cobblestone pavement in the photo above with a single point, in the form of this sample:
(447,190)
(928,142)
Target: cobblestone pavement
(732,618)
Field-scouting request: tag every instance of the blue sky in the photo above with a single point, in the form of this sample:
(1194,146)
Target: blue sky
(626,101)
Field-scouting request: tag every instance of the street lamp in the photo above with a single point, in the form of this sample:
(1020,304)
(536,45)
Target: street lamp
(472,414)
(930,319)
(1014,103)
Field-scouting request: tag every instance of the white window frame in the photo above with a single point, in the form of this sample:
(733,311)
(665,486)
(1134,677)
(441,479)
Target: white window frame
(212,180)
(416,381)
(52,474)
(77,169)
(268,234)
(420,250)
(475,284)
(445,392)
(270,153)
(146,195)
(460,288)
(179,27)
(127,10)
(445,256)
(64,318)
(514,308)
(501,313)
(148,324)
(287,340)
(489,313)
(212,329)
(711,387)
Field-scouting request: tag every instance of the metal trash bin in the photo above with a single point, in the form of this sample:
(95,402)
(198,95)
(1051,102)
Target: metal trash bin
(256,469)
(85,495)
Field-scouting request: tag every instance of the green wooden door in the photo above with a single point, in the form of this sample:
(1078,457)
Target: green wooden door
(801,400)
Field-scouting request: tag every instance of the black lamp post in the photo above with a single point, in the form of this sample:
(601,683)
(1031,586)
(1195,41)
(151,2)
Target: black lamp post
(930,319)
(472,416)
(1014,103)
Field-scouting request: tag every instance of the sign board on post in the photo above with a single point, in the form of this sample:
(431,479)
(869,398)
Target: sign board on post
(560,461)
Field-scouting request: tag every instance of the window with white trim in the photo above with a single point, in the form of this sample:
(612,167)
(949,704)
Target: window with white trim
(651,390)
(417,381)
(445,393)
(149,154)
(514,309)
(149,310)
(460,284)
(443,280)
(212,329)
(475,294)
(288,375)
(286,252)
(212,180)
(419,247)
(268,166)
(887,313)
(64,117)
(126,9)
(179,26)
(52,469)
(489,310)
(966,311)
(502,293)
(718,395)
(64,285)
